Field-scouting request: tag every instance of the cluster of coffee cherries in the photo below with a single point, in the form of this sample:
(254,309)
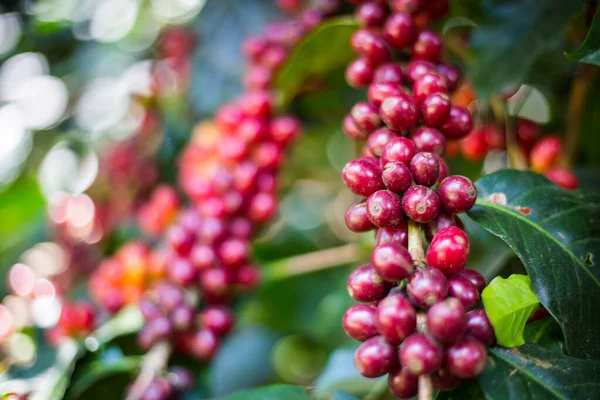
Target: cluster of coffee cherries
(170,385)
(418,317)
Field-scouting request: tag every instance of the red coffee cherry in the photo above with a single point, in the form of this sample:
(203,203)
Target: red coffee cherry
(366,285)
(457,194)
(467,358)
(428,84)
(458,124)
(428,46)
(402,383)
(474,146)
(417,68)
(420,355)
(218,319)
(479,327)
(545,153)
(396,318)
(425,169)
(378,139)
(399,112)
(440,222)
(527,133)
(359,322)
(359,73)
(406,6)
(357,219)
(399,31)
(426,287)
(379,91)
(435,109)
(464,291)
(392,261)
(384,208)
(388,73)
(399,149)
(449,250)
(362,177)
(397,234)
(396,177)
(447,320)
(370,14)
(562,177)
(375,357)
(476,279)
(451,73)
(421,204)
(366,116)
(371,46)
(442,379)
(352,130)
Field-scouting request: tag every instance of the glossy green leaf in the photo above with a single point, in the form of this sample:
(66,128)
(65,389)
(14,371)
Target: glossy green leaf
(546,333)
(90,373)
(556,234)
(511,34)
(323,50)
(508,303)
(532,372)
(273,392)
(589,51)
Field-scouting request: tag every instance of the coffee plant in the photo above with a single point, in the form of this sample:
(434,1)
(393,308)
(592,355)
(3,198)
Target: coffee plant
(299,199)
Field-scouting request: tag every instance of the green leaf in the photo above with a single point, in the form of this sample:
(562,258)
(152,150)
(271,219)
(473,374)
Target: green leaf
(323,50)
(532,372)
(589,148)
(556,234)
(508,303)
(273,392)
(546,333)
(128,320)
(589,51)
(511,34)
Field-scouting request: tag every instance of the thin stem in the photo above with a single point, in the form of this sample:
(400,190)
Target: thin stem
(415,243)
(154,362)
(316,261)
(515,155)
(580,90)
(425,388)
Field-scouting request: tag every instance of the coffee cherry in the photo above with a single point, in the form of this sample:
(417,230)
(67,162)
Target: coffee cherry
(285,130)
(180,378)
(247,277)
(420,355)
(379,139)
(357,219)
(428,140)
(451,73)
(396,177)
(392,261)
(359,322)
(435,109)
(399,31)
(378,92)
(366,116)
(479,327)
(458,124)
(375,357)
(396,318)
(449,250)
(440,222)
(428,84)
(474,146)
(417,68)
(257,104)
(467,358)
(262,207)
(388,73)
(371,46)
(425,169)
(384,208)
(218,319)
(366,285)
(426,287)
(406,6)
(161,327)
(428,46)
(203,344)
(476,279)
(397,234)
(182,317)
(562,177)
(446,320)
(370,14)
(403,384)
(443,169)
(545,153)
(421,204)
(359,73)
(352,130)
(274,57)
(527,133)
(457,194)
(462,289)
(399,112)
(215,284)
(180,239)
(362,178)
(442,379)
(399,149)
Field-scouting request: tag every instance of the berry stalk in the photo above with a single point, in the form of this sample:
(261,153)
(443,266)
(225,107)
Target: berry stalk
(415,244)
(154,363)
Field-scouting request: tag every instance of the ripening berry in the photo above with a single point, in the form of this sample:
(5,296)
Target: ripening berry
(417,68)
(262,207)
(359,322)
(428,84)
(182,271)
(443,169)
(446,320)
(425,169)
(449,250)
(362,177)
(399,112)
(428,46)
(256,103)
(457,194)
(426,287)
(384,208)
(527,133)
(479,327)
(399,149)
(392,261)
(474,146)
(458,124)
(352,130)
(375,357)
(180,378)
(420,355)
(359,73)
(357,219)
(366,285)
(285,130)
(562,177)
(203,344)
(396,318)
(397,234)
(467,358)
(396,177)
(379,139)
(378,92)
(435,109)
(451,73)
(371,46)
(399,31)
(442,379)
(218,319)
(366,116)
(442,221)
(182,317)
(388,73)
(476,279)
(421,204)
(464,291)
(402,383)
(406,6)
(370,14)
